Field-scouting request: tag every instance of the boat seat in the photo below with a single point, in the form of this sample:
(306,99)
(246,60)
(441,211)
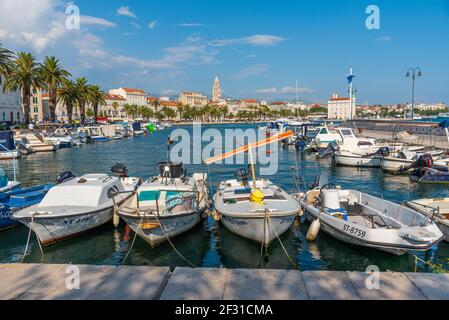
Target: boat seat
(312,197)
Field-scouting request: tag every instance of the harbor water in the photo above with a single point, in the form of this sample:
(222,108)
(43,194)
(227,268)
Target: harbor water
(210,244)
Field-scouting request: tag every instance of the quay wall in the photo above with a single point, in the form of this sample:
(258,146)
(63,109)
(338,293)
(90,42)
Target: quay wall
(89,282)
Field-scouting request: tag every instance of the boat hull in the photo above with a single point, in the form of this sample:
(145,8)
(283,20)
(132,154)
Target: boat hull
(155,233)
(259,229)
(388,240)
(393,165)
(51,230)
(356,161)
(9,155)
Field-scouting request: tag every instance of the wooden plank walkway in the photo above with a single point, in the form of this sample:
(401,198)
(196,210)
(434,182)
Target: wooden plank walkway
(56,282)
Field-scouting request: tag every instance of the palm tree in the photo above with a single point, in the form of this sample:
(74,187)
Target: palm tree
(96,98)
(156,104)
(180,107)
(68,95)
(53,76)
(115,106)
(6,57)
(23,76)
(82,89)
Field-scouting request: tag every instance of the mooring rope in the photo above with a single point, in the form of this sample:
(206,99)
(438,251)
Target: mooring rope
(134,239)
(173,246)
(282,245)
(29,238)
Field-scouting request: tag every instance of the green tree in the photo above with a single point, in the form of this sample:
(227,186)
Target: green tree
(68,95)
(168,112)
(180,108)
(82,88)
(96,98)
(6,58)
(53,75)
(115,107)
(24,75)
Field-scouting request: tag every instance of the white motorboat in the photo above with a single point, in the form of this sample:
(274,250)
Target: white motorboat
(36,144)
(438,207)
(365,220)
(396,162)
(96,133)
(167,205)
(258,209)
(76,205)
(261,213)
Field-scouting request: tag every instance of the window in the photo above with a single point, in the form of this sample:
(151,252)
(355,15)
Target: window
(34,100)
(324,131)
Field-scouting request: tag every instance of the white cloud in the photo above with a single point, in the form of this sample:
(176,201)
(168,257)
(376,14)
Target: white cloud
(267,90)
(256,70)
(88,20)
(190,25)
(95,53)
(169,92)
(285,90)
(152,25)
(261,40)
(385,38)
(126,11)
(135,25)
(24,25)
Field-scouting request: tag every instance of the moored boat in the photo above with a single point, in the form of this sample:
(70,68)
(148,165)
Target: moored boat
(76,205)
(365,220)
(166,205)
(434,206)
(261,213)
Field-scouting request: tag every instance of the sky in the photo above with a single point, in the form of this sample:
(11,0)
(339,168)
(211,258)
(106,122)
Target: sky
(257,48)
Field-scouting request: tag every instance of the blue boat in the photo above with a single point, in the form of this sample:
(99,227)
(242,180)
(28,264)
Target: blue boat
(17,199)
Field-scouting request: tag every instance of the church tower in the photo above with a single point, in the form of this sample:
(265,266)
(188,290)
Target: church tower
(216,91)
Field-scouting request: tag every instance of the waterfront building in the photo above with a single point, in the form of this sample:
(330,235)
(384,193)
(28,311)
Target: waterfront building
(216,91)
(132,96)
(193,99)
(39,108)
(10,105)
(341,107)
(114,106)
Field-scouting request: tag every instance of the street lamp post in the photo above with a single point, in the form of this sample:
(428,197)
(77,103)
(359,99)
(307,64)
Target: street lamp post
(413,72)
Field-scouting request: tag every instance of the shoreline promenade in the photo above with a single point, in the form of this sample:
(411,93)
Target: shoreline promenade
(49,282)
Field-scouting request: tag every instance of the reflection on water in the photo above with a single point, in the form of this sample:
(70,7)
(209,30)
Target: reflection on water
(210,244)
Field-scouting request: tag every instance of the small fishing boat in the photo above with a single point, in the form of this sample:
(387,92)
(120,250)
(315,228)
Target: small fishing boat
(17,199)
(77,204)
(260,213)
(166,205)
(429,176)
(438,207)
(397,162)
(8,149)
(35,144)
(95,133)
(257,210)
(353,159)
(136,128)
(365,220)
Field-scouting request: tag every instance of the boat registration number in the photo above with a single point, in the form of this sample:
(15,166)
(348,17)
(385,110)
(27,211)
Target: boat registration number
(354,231)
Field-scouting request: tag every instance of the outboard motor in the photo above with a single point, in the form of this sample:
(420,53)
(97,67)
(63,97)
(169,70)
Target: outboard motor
(120,170)
(171,170)
(65,176)
(242,175)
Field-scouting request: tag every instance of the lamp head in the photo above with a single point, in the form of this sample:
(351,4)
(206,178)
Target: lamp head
(407,74)
(419,73)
